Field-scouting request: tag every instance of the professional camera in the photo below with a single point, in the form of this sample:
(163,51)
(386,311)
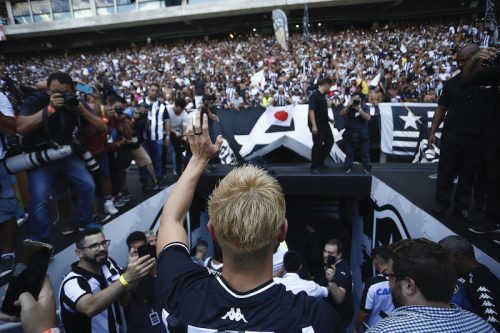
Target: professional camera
(356,102)
(31,160)
(70,99)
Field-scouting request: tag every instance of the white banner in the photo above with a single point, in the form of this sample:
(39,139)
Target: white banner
(284,126)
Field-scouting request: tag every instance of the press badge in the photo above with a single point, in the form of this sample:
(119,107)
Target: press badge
(154,318)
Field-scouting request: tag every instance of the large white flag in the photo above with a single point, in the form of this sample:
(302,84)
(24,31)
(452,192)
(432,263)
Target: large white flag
(258,79)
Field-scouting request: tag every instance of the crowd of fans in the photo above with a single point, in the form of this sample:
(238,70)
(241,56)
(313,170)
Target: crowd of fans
(413,58)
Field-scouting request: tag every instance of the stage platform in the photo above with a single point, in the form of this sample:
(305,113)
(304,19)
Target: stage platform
(415,182)
(411,181)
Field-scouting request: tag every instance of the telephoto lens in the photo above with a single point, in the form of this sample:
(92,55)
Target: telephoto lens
(28,161)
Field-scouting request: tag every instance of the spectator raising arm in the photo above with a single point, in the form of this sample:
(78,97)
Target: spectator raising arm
(178,202)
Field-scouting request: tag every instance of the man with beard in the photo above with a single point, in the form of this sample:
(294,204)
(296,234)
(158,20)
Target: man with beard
(422,281)
(89,293)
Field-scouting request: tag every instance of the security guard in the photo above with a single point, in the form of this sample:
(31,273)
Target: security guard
(318,124)
(462,143)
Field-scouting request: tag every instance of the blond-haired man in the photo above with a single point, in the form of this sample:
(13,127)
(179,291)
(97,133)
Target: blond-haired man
(247,218)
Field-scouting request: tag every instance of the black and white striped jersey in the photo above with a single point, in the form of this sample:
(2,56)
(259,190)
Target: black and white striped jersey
(79,283)
(157,116)
(194,300)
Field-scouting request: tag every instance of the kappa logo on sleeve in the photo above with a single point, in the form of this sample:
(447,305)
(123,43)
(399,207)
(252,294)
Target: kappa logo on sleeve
(235,315)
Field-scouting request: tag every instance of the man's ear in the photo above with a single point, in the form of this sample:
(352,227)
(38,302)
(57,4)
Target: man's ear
(79,252)
(409,287)
(211,230)
(283,231)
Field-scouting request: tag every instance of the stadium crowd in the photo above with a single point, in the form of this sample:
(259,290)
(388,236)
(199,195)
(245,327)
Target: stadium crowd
(413,58)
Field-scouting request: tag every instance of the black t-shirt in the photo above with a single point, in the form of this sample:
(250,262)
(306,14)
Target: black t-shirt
(141,315)
(491,76)
(317,102)
(193,296)
(468,106)
(343,278)
(354,120)
(61,124)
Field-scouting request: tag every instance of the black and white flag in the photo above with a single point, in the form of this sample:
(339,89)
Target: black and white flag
(305,22)
(404,126)
(490,21)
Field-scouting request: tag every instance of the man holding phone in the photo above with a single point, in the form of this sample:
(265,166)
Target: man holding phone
(89,294)
(338,280)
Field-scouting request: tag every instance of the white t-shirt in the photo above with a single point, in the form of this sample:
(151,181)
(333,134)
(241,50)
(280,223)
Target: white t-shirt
(7,110)
(295,284)
(177,122)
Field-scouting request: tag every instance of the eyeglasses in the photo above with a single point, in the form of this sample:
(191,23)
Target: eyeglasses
(94,247)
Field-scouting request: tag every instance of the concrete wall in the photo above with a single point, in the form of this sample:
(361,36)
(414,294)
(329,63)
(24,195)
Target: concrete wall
(185,12)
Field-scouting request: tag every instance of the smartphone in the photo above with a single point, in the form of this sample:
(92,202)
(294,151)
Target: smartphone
(29,273)
(146,249)
(330,261)
(84,88)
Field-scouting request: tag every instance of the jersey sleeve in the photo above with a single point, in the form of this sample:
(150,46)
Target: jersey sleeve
(176,272)
(482,292)
(342,279)
(73,290)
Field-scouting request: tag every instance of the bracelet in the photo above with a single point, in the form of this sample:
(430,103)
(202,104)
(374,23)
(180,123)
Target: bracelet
(123,281)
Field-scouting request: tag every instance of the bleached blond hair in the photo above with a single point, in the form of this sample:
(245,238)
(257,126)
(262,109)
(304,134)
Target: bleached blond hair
(247,210)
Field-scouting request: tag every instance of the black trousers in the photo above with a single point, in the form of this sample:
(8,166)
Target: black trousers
(322,145)
(493,182)
(460,156)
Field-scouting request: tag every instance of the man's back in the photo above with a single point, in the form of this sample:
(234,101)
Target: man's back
(424,319)
(193,297)
(295,284)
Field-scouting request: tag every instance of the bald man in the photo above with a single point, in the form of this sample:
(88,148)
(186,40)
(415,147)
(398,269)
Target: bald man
(467,108)
(477,289)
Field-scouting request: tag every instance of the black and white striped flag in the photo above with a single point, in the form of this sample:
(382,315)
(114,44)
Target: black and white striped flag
(403,126)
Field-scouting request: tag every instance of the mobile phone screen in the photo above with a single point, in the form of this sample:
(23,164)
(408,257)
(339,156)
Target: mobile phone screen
(86,89)
(29,273)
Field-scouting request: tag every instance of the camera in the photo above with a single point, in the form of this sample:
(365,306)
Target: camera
(119,110)
(356,102)
(70,99)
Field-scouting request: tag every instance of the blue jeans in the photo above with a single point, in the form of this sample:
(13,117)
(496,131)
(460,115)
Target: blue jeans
(155,151)
(40,182)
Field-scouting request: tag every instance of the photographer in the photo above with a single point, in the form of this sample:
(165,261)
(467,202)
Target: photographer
(358,116)
(178,122)
(119,146)
(8,204)
(140,126)
(141,313)
(50,117)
